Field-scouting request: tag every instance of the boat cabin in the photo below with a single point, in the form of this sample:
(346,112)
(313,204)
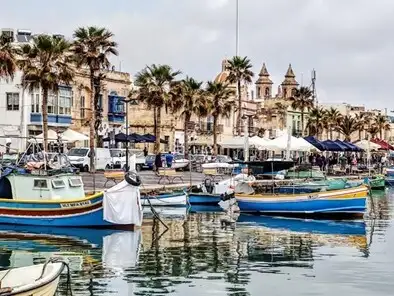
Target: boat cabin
(41,187)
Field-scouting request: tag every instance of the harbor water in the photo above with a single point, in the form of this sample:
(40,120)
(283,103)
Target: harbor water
(203,252)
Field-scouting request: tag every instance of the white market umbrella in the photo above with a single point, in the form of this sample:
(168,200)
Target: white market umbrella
(74,136)
(52,137)
(365,145)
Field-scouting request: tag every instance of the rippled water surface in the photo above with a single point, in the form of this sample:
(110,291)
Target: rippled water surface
(204,253)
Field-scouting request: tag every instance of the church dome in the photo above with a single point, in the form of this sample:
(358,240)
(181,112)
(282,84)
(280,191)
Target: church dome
(222,77)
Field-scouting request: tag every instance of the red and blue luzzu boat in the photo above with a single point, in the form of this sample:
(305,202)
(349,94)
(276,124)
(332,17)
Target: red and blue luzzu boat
(59,200)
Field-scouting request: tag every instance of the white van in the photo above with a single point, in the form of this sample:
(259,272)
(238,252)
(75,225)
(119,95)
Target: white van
(118,157)
(80,157)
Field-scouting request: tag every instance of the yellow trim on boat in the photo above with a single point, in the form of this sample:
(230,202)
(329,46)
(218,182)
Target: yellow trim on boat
(53,201)
(339,194)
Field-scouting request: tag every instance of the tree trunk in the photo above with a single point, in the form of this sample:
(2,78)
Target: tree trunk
(380,134)
(239,108)
(302,123)
(45,117)
(185,135)
(92,123)
(330,133)
(158,131)
(215,140)
(359,134)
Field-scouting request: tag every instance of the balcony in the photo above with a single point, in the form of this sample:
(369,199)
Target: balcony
(53,119)
(206,128)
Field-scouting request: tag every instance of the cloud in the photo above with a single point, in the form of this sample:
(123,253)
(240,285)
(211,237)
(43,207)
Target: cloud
(347,42)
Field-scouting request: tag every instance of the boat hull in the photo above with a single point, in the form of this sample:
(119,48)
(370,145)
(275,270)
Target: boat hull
(86,212)
(46,290)
(170,200)
(345,201)
(204,198)
(389,182)
(377,183)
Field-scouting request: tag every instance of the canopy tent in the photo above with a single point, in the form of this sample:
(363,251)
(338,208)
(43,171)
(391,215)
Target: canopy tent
(234,143)
(343,145)
(258,141)
(358,149)
(383,144)
(363,144)
(319,145)
(74,136)
(52,137)
(281,143)
(333,146)
(151,139)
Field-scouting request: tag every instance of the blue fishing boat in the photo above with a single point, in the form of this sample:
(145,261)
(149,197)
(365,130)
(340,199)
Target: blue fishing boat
(205,209)
(57,199)
(307,226)
(343,201)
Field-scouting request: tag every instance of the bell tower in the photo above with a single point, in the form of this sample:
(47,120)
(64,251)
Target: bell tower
(264,84)
(289,84)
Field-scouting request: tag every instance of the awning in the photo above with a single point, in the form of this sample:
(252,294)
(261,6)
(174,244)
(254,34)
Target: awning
(319,145)
(364,144)
(332,146)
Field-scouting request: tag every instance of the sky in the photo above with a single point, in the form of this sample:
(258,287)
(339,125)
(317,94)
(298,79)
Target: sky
(349,43)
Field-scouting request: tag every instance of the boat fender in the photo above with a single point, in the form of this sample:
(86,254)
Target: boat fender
(132,178)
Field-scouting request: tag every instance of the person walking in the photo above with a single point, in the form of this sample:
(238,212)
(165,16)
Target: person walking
(169,159)
(158,162)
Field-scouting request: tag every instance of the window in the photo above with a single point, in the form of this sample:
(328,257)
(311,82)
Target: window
(12,101)
(40,183)
(82,107)
(167,145)
(285,93)
(52,103)
(258,92)
(75,182)
(35,103)
(65,97)
(267,91)
(58,184)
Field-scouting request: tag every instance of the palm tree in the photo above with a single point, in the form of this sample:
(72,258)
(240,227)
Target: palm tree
(189,97)
(347,126)
(361,123)
(8,56)
(302,100)
(373,130)
(92,48)
(219,104)
(380,121)
(281,111)
(46,64)
(155,83)
(332,118)
(316,122)
(240,73)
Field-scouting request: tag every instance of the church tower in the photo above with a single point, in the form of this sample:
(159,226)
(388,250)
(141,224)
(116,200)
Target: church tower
(289,84)
(264,84)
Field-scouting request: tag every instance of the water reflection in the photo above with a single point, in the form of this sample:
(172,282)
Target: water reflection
(203,252)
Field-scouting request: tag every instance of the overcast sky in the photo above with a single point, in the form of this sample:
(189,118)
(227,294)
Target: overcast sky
(350,43)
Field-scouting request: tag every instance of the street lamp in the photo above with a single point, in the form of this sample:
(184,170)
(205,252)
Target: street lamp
(132,102)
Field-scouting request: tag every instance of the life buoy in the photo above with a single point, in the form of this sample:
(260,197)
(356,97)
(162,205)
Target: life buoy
(132,178)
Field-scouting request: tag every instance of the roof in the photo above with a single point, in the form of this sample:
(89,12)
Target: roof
(290,77)
(264,76)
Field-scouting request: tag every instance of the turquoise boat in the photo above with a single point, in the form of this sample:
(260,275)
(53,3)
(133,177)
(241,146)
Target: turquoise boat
(57,199)
(316,186)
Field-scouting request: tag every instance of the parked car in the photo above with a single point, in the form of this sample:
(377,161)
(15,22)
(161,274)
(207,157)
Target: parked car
(80,157)
(149,161)
(119,158)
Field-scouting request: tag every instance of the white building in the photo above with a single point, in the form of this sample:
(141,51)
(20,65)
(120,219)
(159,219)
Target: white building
(20,110)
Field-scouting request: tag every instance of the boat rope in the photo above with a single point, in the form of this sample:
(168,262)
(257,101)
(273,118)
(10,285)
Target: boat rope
(59,260)
(155,214)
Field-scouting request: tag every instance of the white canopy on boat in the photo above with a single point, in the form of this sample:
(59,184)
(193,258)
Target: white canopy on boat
(74,136)
(363,144)
(52,137)
(296,144)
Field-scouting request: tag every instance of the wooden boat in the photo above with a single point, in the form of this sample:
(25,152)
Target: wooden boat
(344,201)
(389,181)
(58,199)
(315,186)
(40,279)
(375,182)
(170,199)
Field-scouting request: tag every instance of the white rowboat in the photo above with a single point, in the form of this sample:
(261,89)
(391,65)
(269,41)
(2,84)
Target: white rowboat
(34,280)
